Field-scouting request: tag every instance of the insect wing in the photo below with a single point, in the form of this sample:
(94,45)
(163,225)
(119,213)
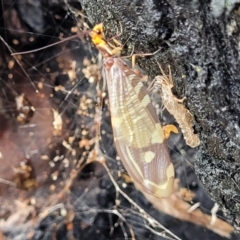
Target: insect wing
(138,135)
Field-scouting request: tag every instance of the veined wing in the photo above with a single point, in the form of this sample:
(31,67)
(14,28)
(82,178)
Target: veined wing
(138,134)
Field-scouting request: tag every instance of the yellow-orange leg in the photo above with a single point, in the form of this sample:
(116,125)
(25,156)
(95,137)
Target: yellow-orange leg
(168,129)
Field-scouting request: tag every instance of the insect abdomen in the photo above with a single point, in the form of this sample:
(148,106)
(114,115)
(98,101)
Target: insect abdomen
(185,121)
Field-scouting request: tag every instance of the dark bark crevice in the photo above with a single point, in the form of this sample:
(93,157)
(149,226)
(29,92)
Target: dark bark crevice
(199,41)
(202,45)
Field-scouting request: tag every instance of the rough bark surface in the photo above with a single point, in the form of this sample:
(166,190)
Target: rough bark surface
(76,202)
(200,40)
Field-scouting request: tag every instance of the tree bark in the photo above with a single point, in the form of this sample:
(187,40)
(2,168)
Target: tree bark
(200,40)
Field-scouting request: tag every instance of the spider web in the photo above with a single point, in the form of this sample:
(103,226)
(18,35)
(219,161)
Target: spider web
(78,188)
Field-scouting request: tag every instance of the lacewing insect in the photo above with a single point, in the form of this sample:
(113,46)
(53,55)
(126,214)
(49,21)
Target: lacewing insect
(175,107)
(138,135)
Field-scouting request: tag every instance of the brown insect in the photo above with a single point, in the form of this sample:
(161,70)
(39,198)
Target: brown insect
(138,135)
(175,107)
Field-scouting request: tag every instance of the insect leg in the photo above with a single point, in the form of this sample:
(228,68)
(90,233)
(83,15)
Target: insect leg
(180,100)
(142,55)
(114,38)
(168,129)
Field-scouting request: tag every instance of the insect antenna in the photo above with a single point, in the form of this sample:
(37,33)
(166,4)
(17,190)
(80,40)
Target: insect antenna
(53,44)
(117,35)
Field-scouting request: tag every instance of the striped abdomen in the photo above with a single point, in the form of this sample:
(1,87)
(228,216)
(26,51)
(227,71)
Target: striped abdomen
(176,108)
